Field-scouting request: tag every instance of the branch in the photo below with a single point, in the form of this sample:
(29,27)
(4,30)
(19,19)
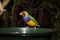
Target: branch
(5,2)
(2,6)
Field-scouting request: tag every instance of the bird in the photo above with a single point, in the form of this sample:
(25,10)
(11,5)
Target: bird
(1,9)
(28,19)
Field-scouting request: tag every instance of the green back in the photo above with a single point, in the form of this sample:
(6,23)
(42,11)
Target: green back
(31,18)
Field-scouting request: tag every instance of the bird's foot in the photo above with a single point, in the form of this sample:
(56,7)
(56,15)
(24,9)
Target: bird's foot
(27,27)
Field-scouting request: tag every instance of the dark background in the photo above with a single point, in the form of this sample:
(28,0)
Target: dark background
(46,12)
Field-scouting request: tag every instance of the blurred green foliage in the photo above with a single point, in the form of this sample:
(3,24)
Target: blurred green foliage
(18,2)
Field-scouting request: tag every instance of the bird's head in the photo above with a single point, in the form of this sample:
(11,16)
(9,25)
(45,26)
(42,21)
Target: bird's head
(23,13)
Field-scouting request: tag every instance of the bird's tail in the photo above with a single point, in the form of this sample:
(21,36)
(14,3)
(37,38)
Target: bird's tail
(38,26)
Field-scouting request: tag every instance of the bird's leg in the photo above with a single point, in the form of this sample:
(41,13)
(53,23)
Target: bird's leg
(35,27)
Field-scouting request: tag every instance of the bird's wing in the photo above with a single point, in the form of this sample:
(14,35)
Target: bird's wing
(31,18)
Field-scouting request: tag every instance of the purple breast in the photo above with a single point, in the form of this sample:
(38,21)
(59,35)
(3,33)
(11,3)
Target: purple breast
(26,19)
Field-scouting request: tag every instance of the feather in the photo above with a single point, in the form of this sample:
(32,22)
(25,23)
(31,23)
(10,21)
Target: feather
(31,18)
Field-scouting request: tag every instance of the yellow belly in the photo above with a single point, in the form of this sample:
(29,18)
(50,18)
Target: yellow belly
(31,23)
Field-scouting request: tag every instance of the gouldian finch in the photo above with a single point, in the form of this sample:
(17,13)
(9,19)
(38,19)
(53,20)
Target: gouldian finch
(1,9)
(29,19)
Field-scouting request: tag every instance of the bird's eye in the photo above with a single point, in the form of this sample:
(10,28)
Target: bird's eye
(23,14)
